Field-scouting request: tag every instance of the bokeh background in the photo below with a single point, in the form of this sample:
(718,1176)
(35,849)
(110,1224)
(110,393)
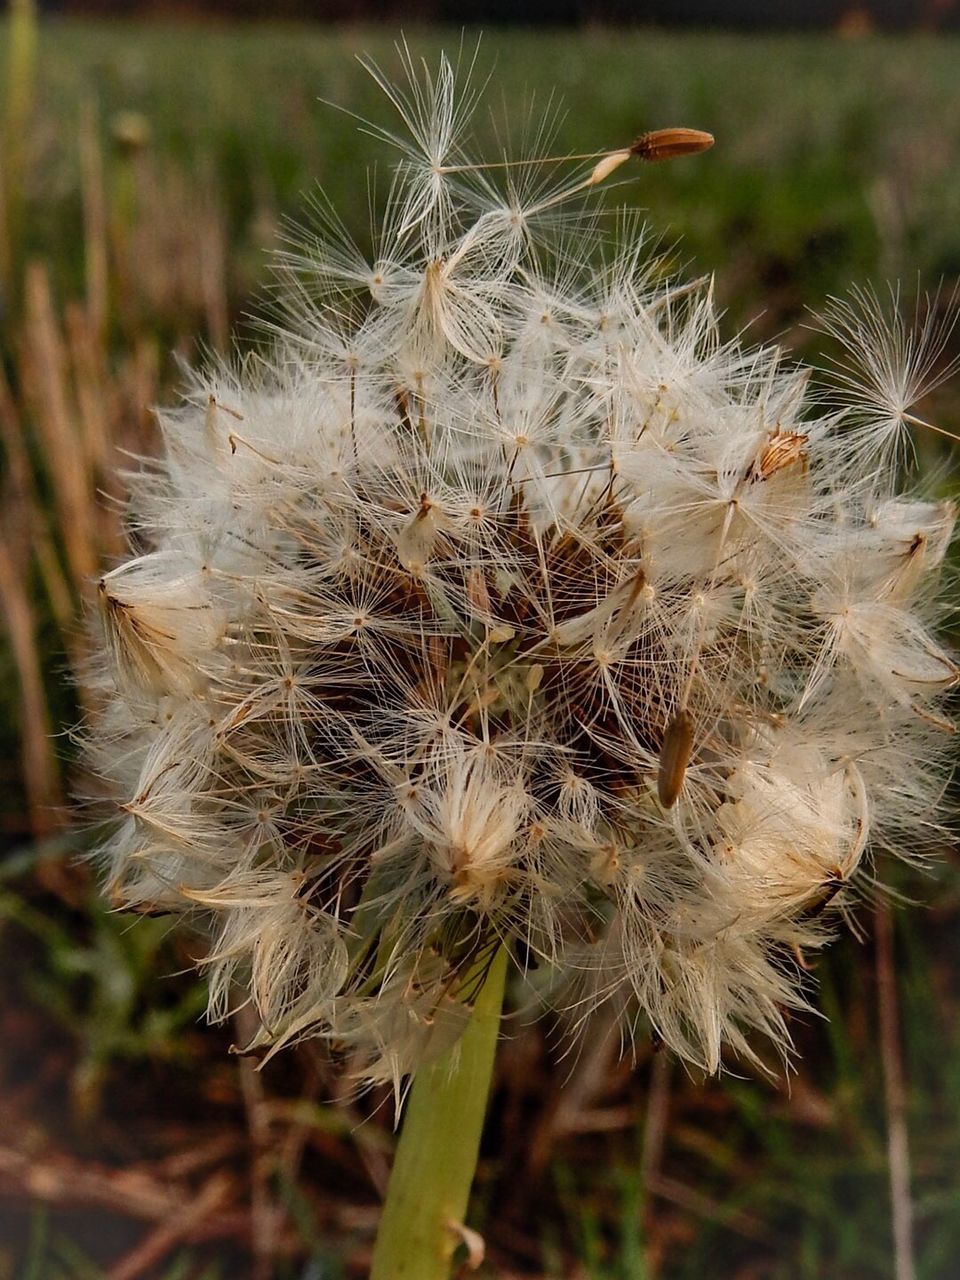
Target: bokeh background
(151,156)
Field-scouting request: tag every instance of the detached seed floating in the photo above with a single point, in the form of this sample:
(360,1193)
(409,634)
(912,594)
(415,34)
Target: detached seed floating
(658,144)
(665,144)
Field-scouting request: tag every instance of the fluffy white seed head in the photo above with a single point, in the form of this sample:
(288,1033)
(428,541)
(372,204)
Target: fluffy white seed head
(510,605)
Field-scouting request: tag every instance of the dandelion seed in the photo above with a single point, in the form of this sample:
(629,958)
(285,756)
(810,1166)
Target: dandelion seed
(665,144)
(887,366)
(783,449)
(675,752)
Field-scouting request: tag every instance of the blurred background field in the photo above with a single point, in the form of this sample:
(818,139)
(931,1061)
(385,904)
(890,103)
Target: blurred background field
(146,173)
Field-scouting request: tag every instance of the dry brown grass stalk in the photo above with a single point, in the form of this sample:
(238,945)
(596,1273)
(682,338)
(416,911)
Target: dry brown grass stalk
(21,57)
(155,261)
(26,530)
(6,249)
(54,415)
(40,773)
(895,1096)
(95,222)
(168,247)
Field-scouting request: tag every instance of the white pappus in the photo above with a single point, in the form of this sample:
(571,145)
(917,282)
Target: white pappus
(508,604)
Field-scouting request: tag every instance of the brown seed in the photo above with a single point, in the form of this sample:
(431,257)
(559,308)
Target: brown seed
(824,895)
(478,596)
(664,144)
(402,404)
(675,751)
(782,450)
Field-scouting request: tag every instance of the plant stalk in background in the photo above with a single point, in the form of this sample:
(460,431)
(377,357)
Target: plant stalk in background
(18,108)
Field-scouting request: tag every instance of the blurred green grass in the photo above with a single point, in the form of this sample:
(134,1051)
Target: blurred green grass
(835,162)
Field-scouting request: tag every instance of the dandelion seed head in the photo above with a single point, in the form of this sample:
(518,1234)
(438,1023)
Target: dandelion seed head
(506,603)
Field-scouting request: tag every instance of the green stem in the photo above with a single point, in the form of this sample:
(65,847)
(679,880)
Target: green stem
(437,1152)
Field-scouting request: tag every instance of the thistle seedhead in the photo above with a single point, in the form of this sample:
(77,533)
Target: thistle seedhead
(507,604)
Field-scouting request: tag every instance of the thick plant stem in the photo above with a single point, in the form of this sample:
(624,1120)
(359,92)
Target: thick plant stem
(437,1152)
